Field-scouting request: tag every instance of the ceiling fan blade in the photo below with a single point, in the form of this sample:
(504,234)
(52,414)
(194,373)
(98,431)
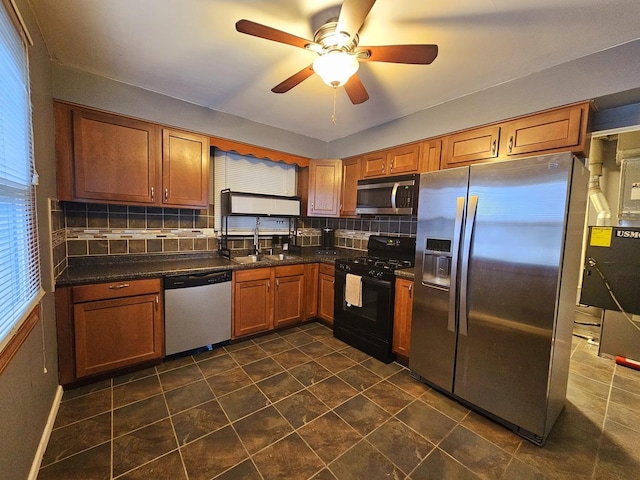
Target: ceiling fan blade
(414,54)
(269,33)
(352,16)
(293,80)
(356,91)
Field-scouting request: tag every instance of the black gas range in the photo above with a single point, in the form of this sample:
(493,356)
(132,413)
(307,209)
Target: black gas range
(366,320)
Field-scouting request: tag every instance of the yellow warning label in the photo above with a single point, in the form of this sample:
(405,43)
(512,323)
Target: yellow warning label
(601,236)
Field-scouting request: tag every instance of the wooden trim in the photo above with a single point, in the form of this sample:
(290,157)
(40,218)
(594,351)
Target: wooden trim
(258,152)
(19,338)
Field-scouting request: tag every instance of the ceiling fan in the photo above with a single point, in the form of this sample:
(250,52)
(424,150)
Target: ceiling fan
(336,43)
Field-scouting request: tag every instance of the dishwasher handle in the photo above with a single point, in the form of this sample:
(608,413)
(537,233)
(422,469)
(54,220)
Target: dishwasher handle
(173,282)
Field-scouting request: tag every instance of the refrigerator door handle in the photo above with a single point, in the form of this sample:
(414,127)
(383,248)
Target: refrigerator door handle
(455,256)
(466,254)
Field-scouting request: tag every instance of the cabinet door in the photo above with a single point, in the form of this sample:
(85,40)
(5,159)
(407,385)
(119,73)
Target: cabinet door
(325,179)
(545,132)
(252,302)
(115,159)
(288,299)
(374,164)
(471,145)
(311,290)
(325,292)
(405,159)
(116,333)
(350,177)
(185,169)
(402,318)
(431,153)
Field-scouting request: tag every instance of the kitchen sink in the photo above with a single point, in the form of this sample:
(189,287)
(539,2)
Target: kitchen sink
(281,256)
(249,259)
(264,258)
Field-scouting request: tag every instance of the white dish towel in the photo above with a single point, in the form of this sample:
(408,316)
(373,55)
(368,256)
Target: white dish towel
(353,290)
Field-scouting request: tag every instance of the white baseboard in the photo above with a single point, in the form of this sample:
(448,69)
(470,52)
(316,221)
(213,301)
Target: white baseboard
(44,440)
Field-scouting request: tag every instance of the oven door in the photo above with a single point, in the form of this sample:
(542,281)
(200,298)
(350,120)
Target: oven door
(370,327)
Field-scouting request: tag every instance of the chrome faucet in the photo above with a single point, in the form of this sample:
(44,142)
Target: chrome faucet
(256,238)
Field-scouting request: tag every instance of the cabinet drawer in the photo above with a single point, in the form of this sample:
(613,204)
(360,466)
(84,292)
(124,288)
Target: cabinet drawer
(327,269)
(288,270)
(104,291)
(252,274)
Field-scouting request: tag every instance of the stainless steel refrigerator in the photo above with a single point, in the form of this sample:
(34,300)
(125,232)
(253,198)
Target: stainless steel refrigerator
(496,273)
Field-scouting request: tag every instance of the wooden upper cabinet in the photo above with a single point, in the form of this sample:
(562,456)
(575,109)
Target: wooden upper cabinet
(114,158)
(394,161)
(350,177)
(404,159)
(106,158)
(564,129)
(471,146)
(185,169)
(431,153)
(325,181)
(374,164)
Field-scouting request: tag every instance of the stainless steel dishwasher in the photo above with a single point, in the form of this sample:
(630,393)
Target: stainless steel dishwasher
(197,310)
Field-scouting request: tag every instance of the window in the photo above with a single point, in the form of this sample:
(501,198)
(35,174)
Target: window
(247,174)
(20,288)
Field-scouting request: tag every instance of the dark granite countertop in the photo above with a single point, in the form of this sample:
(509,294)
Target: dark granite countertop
(407,273)
(83,270)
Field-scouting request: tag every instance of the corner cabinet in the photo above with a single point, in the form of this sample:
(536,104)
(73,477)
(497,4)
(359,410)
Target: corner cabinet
(107,158)
(108,326)
(349,195)
(325,181)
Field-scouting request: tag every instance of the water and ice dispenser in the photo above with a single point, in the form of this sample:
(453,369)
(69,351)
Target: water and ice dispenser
(436,264)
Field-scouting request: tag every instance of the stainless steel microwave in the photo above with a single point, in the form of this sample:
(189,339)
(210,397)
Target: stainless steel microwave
(396,195)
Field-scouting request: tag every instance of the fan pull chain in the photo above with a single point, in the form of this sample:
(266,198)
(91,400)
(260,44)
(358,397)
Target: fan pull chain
(335,94)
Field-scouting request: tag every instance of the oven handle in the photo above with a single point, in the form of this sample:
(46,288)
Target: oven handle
(365,279)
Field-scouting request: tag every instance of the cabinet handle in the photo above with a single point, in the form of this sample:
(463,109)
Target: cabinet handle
(312,206)
(157,302)
(493,147)
(166,194)
(153,194)
(391,166)
(383,166)
(268,285)
(410,290)
(510,143)
(118,287)
(277,282)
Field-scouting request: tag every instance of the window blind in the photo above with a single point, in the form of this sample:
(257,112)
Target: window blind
(19,254)
(252,175)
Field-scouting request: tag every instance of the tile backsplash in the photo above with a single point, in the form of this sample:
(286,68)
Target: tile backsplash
(86,229)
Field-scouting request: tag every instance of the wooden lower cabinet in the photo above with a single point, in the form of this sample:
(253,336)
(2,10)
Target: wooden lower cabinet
(288,295)
(108,326)
(252,300)
(402,317)
(326,280)
(311,290)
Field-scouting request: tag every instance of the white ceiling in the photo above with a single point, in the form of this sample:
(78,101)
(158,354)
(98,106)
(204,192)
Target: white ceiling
(190,50)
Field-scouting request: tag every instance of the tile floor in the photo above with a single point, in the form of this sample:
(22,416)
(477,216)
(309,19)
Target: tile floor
(300,404)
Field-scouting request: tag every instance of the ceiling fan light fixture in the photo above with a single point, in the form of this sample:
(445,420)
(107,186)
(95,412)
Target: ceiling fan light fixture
(336,67)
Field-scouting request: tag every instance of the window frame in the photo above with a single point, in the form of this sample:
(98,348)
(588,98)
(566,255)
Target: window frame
(20,329)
